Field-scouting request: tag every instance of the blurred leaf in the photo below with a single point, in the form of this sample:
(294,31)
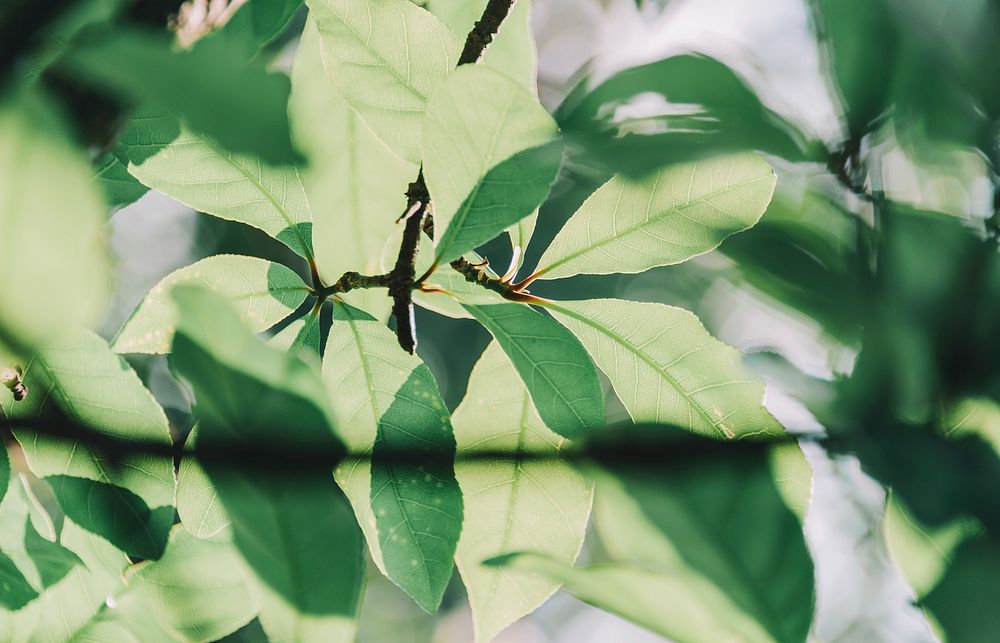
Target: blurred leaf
(922,554)
(197,589)
(355,184)
(963,602)
(129,500)
(15,590)
(388,402)
(285,522)
(4,472)
(628,226)
(53,239)
(665,367)
(512,51)
(496,168)
(111,174)
(385,58)
(211,87)
(512,504)
(552,363)
(254,25)
(232,186)
(711,110)
(263,292)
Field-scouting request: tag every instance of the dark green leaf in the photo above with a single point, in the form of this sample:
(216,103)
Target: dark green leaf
(51,559)
(15,590)
(560,376)
(965,600)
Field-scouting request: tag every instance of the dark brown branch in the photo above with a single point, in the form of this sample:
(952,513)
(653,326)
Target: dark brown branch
(402,279)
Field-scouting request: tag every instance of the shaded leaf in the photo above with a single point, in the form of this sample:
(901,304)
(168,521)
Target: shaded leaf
(15,590)
(556,369)
(112,176)
(385,58)
(208,86)
(512,504)
(388,402)
(490,153)
(285,521)
(665,367)
(263,292)
(675,213)
(228,185)
(962,602)
(198,504)
(52,560)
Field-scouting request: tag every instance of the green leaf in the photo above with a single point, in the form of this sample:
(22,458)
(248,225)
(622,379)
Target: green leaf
(447,288)
(4,472)
(128,501)
(676,213)
(241,107)
(228,185)
(263,292)
(665,367)
(285,521)
(962,602)
(52,560)
(197,589)
(520,236)
(52,238)
(559,374)
(112,176)
(709,110)
(388,403)
(302,336)
(356,185)
(385,58)
(254,25)
(512,51)
(512,504)
(490,152)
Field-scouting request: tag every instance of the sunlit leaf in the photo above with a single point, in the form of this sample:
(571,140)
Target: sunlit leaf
(512,504)
(128,502)
(356,185)
(387,402)
(490,153)
(200,174)
(552,363)
(665,367)
(673,214)
(263,292)
(112,176)
(385,58)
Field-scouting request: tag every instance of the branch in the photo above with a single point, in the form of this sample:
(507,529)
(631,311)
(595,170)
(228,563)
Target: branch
(402,279)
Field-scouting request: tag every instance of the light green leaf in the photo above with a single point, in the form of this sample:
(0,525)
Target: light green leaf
(559,374)
(387,401)
(671,215)
(4,472)
(285,521)
(254,25)
(512,504)
(52,238)
(15,590)
(197,589)
(229,185)
(129,502)
(71,602)
(520,236)
(52,560)
(242,107)
(356,185)
(447,288)
(512,51)
(385,58)
(490,152)
(665,367)
(263,292)
(302,336)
